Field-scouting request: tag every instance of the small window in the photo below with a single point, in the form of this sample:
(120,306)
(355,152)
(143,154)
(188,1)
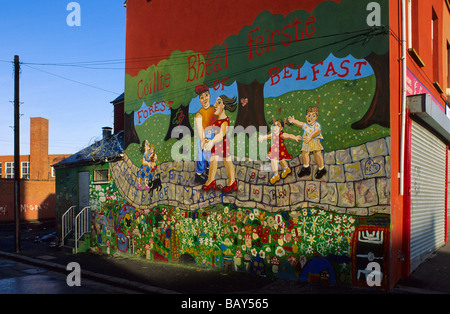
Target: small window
(101,176)
(9,170)
(1,170)
(25,170)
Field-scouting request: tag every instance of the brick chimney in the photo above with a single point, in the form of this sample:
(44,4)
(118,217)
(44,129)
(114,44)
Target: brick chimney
(39,164)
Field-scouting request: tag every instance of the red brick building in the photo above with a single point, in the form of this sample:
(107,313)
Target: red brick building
(37,186)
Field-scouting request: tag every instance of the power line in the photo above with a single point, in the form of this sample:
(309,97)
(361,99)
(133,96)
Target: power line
(232,51)
(71,80)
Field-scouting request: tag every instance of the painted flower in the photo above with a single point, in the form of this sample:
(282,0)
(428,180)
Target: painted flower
(264,238)
(290,224)
(288,237)
(330,241)
(262,216)
(280,251)
(248,240)
(311,239)
(275,236)
(262,254)
(270,221)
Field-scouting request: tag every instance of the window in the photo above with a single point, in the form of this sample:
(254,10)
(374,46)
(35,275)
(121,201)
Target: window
(9,170)
(1,170)
(435,45)
(413,8)
(448,71)
(25,170)
(101,176)
(53,172)
(413,31)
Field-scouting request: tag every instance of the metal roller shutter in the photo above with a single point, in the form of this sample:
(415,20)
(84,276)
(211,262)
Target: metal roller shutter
(428,183)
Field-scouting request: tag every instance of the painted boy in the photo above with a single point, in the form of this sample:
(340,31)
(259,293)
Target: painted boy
(312,138)
(204,119)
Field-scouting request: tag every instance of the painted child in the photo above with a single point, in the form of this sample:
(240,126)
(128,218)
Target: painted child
(278,153)
(312,138)
(145,173)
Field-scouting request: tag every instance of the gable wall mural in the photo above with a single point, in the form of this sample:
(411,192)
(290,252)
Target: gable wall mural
(267,153)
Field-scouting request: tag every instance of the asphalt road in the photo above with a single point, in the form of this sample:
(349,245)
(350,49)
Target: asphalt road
(21,278)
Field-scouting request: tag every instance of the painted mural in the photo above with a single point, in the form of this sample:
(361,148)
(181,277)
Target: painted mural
(267,154)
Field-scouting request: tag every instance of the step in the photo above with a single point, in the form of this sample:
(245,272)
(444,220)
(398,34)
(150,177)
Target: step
(69,245)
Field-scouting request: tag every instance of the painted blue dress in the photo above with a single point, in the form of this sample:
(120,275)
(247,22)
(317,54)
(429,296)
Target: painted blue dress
(145,172)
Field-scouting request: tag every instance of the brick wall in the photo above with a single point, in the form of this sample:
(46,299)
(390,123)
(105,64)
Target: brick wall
(37,201)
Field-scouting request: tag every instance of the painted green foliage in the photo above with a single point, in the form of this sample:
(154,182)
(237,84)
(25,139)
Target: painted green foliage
(225,236)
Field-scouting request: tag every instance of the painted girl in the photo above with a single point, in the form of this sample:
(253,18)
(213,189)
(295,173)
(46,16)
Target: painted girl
(278,153)
(312,138)
(145,173)
(220,146)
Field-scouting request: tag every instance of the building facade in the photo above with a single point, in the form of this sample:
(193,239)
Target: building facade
(282,138)
(37,185)
(82,177)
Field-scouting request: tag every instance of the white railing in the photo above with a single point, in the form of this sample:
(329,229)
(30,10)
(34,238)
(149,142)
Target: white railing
(67,223)
(82,224)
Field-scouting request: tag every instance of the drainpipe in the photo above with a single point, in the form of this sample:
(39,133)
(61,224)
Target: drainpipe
(403,126)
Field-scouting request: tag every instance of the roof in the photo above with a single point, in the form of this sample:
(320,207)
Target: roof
(105,150)
(118,99)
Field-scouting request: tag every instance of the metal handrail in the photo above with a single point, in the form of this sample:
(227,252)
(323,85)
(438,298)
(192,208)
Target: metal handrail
(82,224)
(67,223)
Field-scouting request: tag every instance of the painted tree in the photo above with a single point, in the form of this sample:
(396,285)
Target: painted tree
(275,41)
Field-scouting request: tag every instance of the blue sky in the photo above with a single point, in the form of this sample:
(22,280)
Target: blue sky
(37,31)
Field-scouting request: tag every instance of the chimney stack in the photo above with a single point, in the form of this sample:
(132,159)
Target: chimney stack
(107,131)
(39,164)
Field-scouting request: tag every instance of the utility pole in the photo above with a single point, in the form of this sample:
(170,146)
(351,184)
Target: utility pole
(17,152)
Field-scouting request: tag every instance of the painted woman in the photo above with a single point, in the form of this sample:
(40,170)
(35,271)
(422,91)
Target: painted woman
(219,145)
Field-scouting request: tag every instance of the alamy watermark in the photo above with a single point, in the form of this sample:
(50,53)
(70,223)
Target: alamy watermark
(374,17)
(74,278)
(74,17)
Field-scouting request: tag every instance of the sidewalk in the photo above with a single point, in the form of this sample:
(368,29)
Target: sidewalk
(163,278)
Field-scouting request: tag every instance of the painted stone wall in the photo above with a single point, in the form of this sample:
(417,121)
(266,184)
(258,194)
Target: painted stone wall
(357,182)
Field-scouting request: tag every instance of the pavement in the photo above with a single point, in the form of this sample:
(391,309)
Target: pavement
(143,276)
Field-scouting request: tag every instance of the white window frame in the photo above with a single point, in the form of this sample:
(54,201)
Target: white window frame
(9,166)
(25,174)
(98,177)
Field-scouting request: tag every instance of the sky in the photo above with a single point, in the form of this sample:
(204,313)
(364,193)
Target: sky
(69,74)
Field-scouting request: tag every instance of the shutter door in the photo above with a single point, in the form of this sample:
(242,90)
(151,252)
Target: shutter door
(428,183)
